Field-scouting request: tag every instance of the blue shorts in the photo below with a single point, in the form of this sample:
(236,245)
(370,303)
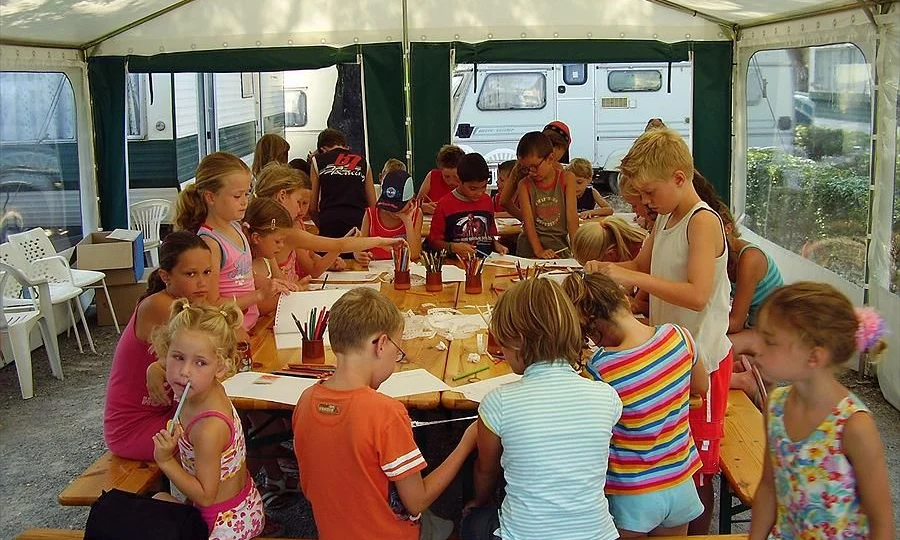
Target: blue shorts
(644,512)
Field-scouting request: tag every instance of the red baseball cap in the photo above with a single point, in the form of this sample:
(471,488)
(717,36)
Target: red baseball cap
(561,129)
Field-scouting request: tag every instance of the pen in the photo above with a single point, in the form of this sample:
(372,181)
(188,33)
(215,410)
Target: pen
(473,372)
(180,405)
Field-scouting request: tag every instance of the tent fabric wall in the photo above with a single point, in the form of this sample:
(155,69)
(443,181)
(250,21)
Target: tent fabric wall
(384,103)
(107,83)
(430,80)
(712,114)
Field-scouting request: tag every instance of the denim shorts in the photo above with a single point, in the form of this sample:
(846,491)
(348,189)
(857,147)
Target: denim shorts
(644,512)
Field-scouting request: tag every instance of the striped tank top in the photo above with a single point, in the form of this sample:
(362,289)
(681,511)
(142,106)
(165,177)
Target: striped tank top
(651,447)
(769,282)
(235,270)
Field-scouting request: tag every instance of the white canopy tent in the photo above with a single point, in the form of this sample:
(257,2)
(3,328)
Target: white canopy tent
(62,35)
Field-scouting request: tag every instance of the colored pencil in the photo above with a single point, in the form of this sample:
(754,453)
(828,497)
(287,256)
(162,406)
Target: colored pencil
(181,402)
(324,282)
(473,372)
(300,327)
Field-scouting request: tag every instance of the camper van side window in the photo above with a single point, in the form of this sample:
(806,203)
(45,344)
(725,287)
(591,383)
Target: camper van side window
(295,113)
(634,80)
(510,91)
(574,74)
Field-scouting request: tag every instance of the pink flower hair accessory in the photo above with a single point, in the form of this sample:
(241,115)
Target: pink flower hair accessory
(871,328)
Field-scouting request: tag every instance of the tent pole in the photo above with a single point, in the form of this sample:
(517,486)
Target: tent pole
(407,98)
(133,24)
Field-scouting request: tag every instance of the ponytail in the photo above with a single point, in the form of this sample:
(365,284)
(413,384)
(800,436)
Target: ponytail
(190,209)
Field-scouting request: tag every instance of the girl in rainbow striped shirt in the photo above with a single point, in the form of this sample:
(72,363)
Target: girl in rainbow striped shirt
(654,370)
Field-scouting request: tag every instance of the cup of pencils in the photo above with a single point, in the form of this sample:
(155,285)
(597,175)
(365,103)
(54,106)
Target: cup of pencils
(434,280)
(473,267)
(313,336)
(401,268)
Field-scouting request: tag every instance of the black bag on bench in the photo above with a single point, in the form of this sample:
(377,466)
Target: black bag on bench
(117,515)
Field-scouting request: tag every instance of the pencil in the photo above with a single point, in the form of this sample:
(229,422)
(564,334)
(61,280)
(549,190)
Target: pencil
(420,293)
(473,372)
(324,282)
(178,409)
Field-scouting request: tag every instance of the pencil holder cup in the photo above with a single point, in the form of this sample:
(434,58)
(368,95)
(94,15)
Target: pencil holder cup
(473,283)
(401,280)
(434,282)
(493,347)
(313,351)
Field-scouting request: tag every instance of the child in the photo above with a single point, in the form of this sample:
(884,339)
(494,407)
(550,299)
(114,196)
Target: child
(138,403)
(611,239)
(753,276)
(342,186)
(264,224)
(269,148)
(644,217)
(654,370)
(588,202)
(560,139)
(503,172)
(442,180)
(395,215)
(199,348)
(212,207)
(391,165)
(554,462)
(463,221)
(298,259)
(547,200)
(355,446)
(824,474)
(682,265)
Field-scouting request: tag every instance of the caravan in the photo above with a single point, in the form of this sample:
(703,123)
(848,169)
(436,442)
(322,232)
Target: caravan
(606,106)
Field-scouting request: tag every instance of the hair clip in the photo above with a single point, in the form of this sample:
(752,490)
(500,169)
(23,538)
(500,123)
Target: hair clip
(246,225)
(222,312)
(273,227)
(186,306)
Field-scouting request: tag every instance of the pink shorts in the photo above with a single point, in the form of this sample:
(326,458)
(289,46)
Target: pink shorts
(239,518)
(708,421)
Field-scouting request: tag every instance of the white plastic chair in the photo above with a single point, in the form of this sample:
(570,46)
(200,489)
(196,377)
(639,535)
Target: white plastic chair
(500,155)
(147,216)
(37,245)
(56,273)
(17,322)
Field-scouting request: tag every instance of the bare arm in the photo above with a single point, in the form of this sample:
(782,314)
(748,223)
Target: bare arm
(370,189)
(751,268)
(699,378)
(601,202)
(418,493)
(487,467)
(508,194)
(313,211)
(762,519)
(243,301)
(862,446)
(428,205)
(296,238)
(413,222)
(528,220)
(571,202)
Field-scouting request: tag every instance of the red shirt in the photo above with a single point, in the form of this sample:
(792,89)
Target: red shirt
(457,219)
(377,228)
(352,446)
(439,189)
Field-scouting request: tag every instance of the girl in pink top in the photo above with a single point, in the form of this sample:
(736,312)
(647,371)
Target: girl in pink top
(212,206)
(200,349)
(138,402)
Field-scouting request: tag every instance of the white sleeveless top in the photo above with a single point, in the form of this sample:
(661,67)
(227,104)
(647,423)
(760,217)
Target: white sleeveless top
(669,261)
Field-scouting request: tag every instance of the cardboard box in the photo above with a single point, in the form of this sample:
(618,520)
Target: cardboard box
(119,255)
(124,299)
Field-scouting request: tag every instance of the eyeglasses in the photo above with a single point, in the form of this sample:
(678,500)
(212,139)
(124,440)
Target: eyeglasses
(402,359)
(532,168)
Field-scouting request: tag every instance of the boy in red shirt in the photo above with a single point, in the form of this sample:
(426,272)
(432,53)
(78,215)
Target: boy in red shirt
(463,221)
(361,466)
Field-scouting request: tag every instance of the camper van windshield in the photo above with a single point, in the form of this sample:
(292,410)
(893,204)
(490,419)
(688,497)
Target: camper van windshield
(505,91)
(634,80)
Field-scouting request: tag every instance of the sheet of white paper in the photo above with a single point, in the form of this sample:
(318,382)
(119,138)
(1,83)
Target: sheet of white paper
(407,383)
(449,272)
(507,222)
(509,261)
(127,235)
(375,285)
(348,276)
(477,390)
(281,389)
(301,304)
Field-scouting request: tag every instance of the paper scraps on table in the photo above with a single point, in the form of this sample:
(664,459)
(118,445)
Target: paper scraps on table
(267,387)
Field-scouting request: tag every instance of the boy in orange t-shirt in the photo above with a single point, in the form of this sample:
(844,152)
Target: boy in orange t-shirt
(354,445)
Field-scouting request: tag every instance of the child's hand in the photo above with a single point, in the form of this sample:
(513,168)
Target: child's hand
(303,284)
(338,265)
(595,267)
(463,249)
(406,214)
(157,387)
(164,444)
(428,207)
(547,254)
(500,248)
(391,242)
(362,257)
(587,214)
(289,285)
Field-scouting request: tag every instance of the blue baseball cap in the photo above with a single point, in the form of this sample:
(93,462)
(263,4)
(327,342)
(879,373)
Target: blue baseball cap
(396,191)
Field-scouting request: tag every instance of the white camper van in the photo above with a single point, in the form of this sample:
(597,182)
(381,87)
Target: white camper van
(606,106)
(308,97)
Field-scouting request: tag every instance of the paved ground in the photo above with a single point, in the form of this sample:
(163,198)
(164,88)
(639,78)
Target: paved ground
(48,440)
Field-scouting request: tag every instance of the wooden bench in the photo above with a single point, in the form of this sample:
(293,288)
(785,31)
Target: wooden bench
(110,472)
(65,534)
(741,458)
